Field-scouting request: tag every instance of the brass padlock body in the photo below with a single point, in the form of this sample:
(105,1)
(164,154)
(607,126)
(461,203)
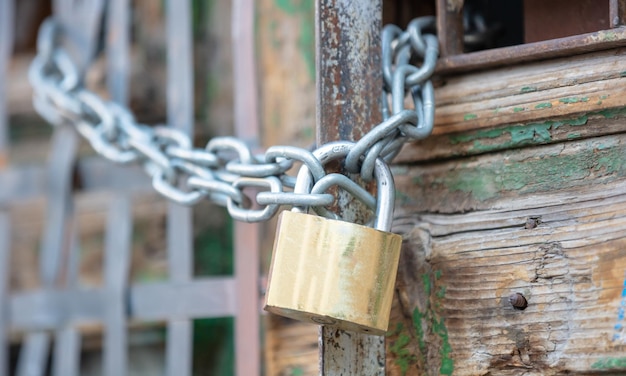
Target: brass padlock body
(333,273)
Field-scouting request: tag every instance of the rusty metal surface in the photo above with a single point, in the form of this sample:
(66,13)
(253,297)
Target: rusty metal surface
(349,78)
(349,88)
(450,27)
(552,19)
(567,46)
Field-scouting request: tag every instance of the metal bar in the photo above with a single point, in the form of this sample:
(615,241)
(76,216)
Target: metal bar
(34,355)
(27,182)
(179,227)
(119,226)
(116,269)
(53,309)
(617,13)
(349,83)
(67,337)
(59,204)
(6,46)
(450,27)
(55,239)
(246,242)
(568,46)
(118,24)
(5,269)
(206,297)
(67,352)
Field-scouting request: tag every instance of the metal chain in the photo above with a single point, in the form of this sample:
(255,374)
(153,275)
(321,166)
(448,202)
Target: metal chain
(226,167)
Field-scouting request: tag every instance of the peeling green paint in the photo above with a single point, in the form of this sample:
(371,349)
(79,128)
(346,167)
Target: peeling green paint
(569,100)
(572,136)
(297,371)
(442,292)
(610,363)
(536,175)
(544,105)
(607,35)
(517,135)
(612,113)
(426,282)
(528,89)
(447,363)
(403,356)
(518,109)
(537,132)
(469,117)
(419,330)
(437,274)
(622,74)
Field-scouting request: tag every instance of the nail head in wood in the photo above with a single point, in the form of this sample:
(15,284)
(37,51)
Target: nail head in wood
(518,301)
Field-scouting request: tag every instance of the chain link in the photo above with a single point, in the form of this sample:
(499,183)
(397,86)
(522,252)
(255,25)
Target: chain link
(226,170)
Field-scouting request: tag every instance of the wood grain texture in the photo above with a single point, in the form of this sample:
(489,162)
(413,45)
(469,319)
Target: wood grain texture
(536,103)
(468,247)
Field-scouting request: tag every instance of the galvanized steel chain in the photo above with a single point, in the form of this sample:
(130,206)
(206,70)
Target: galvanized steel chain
(223,169)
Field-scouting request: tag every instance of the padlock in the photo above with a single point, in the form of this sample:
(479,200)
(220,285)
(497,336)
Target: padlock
(332,272)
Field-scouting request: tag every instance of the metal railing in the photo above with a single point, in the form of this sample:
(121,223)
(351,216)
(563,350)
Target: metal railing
(49,317)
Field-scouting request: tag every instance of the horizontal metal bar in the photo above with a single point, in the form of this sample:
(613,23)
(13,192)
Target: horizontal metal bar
(200,298)
(96,175)
(53,309)
(503,56)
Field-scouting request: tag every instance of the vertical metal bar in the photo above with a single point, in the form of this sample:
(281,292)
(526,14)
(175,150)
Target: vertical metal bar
(119,226)
(34,355)
(617,13)
(57,236)
(116,268)
(6,46)
(67,339)
(179,228)
(118,25)
(67,352)
(5,268)
(349,87)
(450,27)
(246,242)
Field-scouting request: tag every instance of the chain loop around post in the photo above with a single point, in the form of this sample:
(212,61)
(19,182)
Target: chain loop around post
(226,167)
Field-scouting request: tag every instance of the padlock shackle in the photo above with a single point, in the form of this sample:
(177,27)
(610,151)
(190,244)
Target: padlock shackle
(384,181)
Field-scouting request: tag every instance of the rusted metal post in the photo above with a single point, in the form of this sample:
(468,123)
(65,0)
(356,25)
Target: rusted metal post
(246,242)
(349,88)
(450,27)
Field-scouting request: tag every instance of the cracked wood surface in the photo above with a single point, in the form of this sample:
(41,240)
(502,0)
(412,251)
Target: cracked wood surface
(522,189)
(469,246)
